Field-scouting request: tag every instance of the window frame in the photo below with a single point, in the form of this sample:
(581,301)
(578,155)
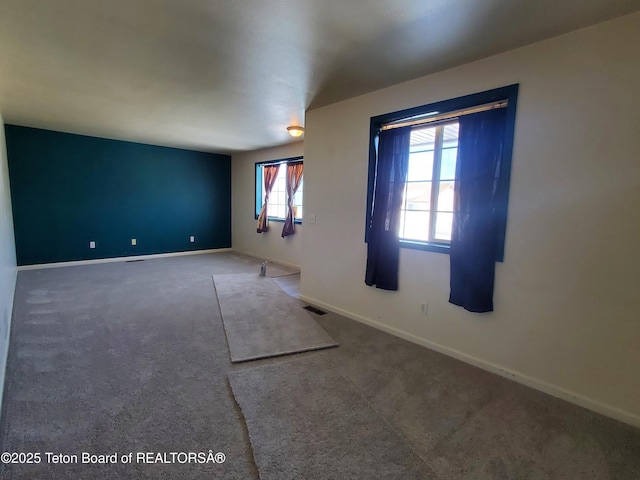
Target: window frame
(508,93)
(259,185)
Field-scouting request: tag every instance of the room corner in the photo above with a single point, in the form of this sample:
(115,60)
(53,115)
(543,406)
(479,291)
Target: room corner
(8,268)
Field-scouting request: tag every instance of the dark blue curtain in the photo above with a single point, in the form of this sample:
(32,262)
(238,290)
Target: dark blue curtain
(474,240)
(383,247)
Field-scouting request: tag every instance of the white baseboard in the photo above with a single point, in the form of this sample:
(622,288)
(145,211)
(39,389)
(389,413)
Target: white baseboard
(121,259)
(259,257)
(585,402)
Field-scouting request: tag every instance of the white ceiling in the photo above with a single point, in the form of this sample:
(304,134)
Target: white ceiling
(229,75)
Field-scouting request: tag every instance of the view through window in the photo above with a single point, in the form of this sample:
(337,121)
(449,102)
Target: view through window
(427,206)
(278,197)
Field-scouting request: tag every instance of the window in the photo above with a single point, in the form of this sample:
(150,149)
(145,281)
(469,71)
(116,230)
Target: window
(427,206)
(426,215)
(278,198)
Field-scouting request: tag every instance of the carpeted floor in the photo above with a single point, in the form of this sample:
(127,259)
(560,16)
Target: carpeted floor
(305,420)
(261,320)
(132,357)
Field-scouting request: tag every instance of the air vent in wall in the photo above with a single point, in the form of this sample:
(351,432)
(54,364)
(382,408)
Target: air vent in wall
(315,310)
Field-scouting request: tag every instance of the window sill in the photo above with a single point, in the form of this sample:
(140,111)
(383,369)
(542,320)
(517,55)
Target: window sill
(429,247)
(297,221)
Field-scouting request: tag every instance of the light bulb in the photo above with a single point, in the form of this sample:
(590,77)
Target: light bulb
(295,131)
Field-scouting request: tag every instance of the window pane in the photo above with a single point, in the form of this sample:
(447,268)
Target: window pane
(416,225)
(422,138)
(417,196)
(420,166)
(297,201)
(278,211)
(277,197)
(448,163)
(401,232)
(444,224)
(450,135)
(445,197)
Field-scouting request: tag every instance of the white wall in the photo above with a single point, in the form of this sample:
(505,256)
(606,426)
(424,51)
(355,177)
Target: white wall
(567,297)
(8,270)
(244,238)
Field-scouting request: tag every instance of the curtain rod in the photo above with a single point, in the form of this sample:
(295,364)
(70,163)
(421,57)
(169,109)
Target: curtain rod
(445,116)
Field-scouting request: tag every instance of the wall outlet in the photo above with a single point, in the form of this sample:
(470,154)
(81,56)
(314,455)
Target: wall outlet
(312,218)
(92,244)
(424,308)
(192,239)
(134,241)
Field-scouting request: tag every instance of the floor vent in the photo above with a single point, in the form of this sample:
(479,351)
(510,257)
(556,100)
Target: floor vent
(315,310)
(133,261)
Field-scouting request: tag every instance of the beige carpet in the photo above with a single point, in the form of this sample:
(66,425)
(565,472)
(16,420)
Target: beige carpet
(305,420)
(132,357)
(261,320)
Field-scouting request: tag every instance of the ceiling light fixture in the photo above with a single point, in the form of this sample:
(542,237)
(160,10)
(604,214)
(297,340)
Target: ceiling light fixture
(295,131)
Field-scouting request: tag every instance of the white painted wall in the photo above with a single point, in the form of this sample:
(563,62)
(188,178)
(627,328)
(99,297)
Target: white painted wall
(244,238)
(8,270)
(567,297)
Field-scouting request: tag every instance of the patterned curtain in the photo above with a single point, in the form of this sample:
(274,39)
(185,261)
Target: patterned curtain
(294,178)
(269,173)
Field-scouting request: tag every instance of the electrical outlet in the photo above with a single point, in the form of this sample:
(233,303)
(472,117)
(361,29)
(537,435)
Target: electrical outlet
(192,239)
(424,308)
(134,241)
(92,244)
(312,218)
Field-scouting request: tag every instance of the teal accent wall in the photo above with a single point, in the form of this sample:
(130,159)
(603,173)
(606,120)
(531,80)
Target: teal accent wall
(68,190)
